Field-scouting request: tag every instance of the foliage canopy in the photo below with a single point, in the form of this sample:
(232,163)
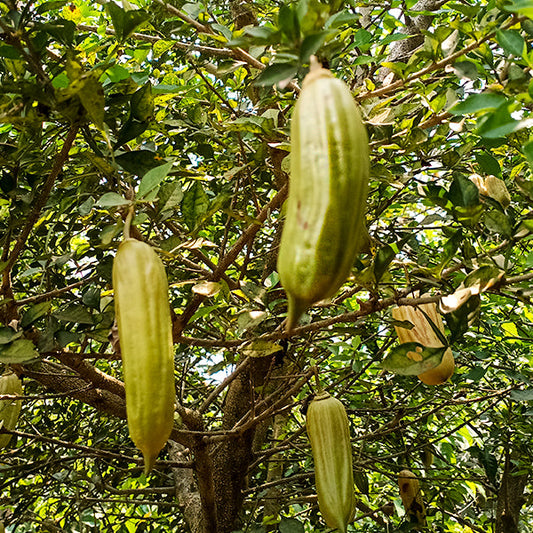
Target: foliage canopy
(183,110)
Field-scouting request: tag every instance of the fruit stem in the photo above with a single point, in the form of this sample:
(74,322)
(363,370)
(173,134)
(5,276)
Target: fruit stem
(314,64)
(127,223)
(317,379)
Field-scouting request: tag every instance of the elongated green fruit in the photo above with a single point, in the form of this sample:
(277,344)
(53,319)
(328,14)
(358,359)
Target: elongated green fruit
(9,409)
(329,433)
(145,333)
(329,172)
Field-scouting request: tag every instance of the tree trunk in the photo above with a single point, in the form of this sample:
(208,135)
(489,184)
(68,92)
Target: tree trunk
(510,498)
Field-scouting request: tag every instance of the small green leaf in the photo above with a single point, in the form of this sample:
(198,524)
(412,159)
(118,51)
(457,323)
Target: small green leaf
(111,199)
(488,164)
(277,73)
(139,162)
(35,312)
(511,41)
(153,178)
(478,102)
(522,395)
(91,95)
(7,335)
(522,7)
(463,192)
(412,359)
(74,313)
(125,22)
(142,103)
(170,196)
(130,130)
(498,222)
(312,43)
(17,352)
(194,205)
(288,23)
(290,525)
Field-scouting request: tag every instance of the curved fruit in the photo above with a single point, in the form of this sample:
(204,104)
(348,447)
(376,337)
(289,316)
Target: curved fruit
(9,409)
(145,335)
(324,226)
(423,333)
(329,433)
(411,496)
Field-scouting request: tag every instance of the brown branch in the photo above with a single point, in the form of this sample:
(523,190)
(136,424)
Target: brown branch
(246,237)
(53,294)
(208,50)
(90,373)
(41,200)
(438,65)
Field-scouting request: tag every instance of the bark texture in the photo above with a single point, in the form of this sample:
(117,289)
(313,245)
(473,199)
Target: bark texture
(510,497)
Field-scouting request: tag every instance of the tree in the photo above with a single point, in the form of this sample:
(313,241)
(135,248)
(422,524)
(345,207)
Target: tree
(183,111)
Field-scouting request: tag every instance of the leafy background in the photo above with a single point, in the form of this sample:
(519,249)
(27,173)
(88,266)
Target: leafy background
(183,109)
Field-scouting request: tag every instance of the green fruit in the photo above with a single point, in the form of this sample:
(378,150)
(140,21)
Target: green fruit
(9,409)
(329,433)
(329,172)
(145,334)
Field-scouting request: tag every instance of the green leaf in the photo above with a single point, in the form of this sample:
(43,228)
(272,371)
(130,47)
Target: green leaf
(52,5)
(35,312)
(463,192)
(153,178)
(312,43)
(488,164)
(91,297)
(478,102)
(528,152)
(142,103)
(500,123)
(485,277)
(194,205)
(290,525)
(7,335)
(74,313)
(498,222)
(276,73)
(111,199)
(170,196)
(522,7)
(341,18)
(511,41)
(130,130)
(91,95)
(125,22)
(288,23)
(466,69)
(412,359)
(522,395)
(18,352)
(460,319)
(450,248)
(139,162)
(60,29)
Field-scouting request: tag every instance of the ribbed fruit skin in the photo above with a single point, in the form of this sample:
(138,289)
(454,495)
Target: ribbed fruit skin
(329,173)
(329,434)
(423,333)
(145,333)
(9,409)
